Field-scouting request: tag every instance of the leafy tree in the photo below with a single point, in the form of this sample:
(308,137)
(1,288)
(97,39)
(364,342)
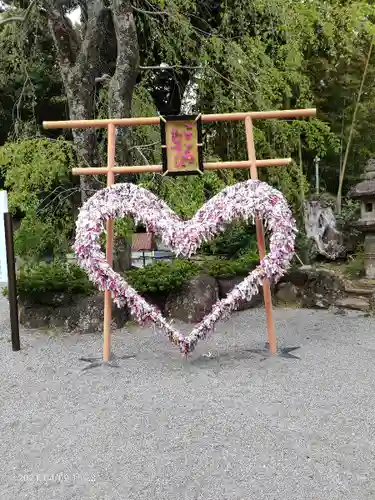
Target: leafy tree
(37,174)
(30,84)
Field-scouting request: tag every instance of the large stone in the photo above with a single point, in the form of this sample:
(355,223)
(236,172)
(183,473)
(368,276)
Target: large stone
(369,250)
(298,276)
(356,303)
(322,288)
(226,285)
(287,293)
(194,300)
(74,314)
(156,299)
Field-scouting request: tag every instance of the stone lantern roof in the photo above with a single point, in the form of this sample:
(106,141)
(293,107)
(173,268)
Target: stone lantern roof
(366,188)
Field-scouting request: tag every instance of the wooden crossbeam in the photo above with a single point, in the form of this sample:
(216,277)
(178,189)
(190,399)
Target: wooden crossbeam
(143,169)
(155,120)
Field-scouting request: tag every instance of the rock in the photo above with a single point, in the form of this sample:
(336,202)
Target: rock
(35,316)
(287,293)
(297,277)
(156,299)
(226,285)
(82,315)
(90,315)
(320,226)
(322,288)
(356,303)
(194,300)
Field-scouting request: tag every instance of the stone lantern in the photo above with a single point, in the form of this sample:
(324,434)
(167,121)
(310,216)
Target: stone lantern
(365,192)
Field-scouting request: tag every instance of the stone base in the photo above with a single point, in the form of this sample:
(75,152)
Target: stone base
(73,314)
(369,250)
(194,300)
(226,285)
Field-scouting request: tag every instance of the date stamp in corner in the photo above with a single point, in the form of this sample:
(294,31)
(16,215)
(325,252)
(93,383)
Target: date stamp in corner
(60,477)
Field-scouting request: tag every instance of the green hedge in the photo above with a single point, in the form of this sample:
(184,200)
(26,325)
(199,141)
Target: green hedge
(224,268)
(57,277)
(160,277)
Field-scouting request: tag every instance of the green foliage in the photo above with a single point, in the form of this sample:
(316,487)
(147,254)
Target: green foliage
(238,239)
(241,55)
(350,212)
(36,239)
(30,83)
(37,176)
(305,247)
(33,168)
(162,277)
(145,141)
(185,195)
(58,277)
(355,268)
(224,268)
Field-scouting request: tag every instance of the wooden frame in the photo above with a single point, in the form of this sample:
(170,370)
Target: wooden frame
(170,155)
(253,164)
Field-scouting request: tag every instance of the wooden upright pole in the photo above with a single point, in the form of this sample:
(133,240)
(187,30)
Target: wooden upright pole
(12,282)
(260,239)
(111,146)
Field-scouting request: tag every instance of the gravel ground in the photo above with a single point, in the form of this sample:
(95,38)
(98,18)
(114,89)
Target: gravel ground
(234,427)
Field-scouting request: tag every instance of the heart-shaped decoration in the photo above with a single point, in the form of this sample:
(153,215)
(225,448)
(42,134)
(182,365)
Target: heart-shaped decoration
(242,201)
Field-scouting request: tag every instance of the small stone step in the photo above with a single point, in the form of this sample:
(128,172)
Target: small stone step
(355,303)
(359,291)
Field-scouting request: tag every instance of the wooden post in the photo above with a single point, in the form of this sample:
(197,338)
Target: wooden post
(260,239)
(12,282)
(111,147)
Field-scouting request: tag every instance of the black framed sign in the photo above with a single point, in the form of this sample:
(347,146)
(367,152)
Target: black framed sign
(181,139)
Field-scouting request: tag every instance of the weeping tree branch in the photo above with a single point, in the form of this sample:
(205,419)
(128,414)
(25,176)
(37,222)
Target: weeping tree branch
(347,150)
(19,19)
(151,12)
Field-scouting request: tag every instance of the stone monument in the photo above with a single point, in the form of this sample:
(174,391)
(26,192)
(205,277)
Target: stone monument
(365,192)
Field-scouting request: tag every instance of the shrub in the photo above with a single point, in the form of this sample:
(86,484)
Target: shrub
(237,239)
(37,176)
(356,266)
(36,239)
(162,276)
(57,277)
(224,268)
(350,212)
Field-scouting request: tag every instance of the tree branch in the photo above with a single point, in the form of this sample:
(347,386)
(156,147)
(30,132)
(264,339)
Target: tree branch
(151,12)
(20,19)
(347,150)
(162,68)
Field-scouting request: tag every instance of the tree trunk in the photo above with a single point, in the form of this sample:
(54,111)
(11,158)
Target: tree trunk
(79,60)
(79,63)
(121,86)
(120,93)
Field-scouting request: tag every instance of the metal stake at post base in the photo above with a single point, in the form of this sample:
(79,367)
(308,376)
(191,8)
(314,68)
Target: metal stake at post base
(12,282)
